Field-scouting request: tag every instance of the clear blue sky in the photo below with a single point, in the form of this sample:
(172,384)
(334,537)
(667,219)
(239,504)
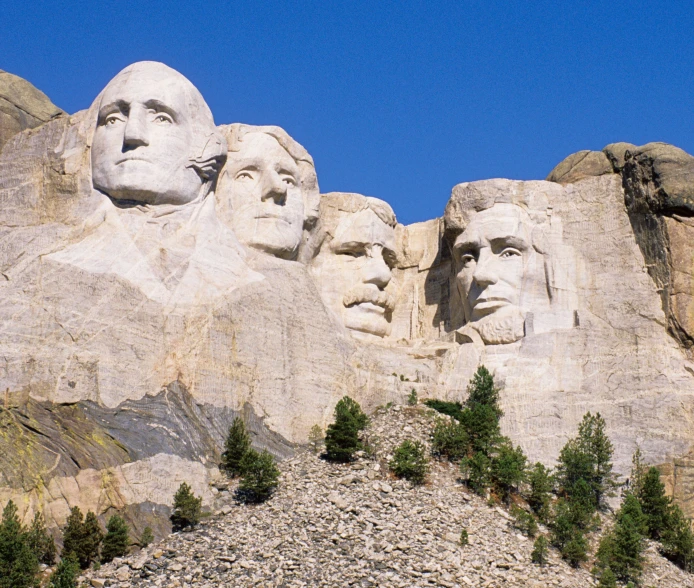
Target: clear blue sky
(398,100)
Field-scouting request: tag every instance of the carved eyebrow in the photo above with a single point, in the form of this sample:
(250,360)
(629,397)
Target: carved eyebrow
(509,241)
(159,106)
(349,245)
(111,107)
(466,246)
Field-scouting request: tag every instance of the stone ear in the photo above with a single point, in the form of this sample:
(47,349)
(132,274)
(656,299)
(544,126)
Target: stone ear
(212,156)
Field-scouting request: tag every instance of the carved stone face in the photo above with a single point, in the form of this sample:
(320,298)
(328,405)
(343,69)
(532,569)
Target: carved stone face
(497,270)
(354,269)
(148,124)
(262,185)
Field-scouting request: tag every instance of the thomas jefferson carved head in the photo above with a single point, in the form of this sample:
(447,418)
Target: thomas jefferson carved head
(155,141)
(499,231)
(268,192)
(353,265)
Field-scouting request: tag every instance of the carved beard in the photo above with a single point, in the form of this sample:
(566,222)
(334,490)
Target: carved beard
(504,326)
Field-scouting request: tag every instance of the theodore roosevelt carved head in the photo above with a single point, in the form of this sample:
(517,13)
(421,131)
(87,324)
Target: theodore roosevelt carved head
(353,265)
(268,191)
(155,140)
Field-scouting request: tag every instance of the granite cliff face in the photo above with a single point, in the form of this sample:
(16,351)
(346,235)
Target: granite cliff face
(162,275)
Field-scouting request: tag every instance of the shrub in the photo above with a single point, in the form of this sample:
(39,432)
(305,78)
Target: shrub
(66,573)
(260,476)
(147,537)
(541,484)
(655,504)
(412,398)
(452,409)
(19,565)
(342,437)
(607,579)
(540,551)
(464,538)
(117,539)
(236,446)
(40,542)
(507,468)
(186,508)
(449,440)
(410,462)
(316,438)
(575,549)
(524,521)
(478,471)
(678,540)
(82,537)
(621,550)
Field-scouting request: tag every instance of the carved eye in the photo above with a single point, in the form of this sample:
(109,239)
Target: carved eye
(163,118)
(466,259)
(244,175)
(290,181)
(352,253)
(112,119)
(509,252)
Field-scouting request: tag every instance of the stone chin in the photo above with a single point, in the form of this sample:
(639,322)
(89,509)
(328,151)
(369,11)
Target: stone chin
(366,319)
(506,325)
(274,236)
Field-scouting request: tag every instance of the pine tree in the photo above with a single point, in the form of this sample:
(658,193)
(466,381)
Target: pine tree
(260,475)
(540,551)
(477,469)
(449,440)
(678,539)
(607,579)
(237,444)
(654,503)
(117,539)
(482,413)
(186,508)
(72,533)
(541,484)
(19,566)
(638,472)
(40,542)
(92,536)
(342,437)
(575,550)
(316,438)
(410,462)
(147,537)
(507,468)
(66,573)
(632,507)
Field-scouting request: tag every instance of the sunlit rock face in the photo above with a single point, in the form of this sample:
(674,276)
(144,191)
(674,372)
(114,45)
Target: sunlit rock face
(268,192)
(353,265)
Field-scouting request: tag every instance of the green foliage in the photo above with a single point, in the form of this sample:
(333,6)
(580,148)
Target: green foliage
(507,468)
(449,440)
(452,409)
(638,472)
(562,524)
(19,565)
(607,579)
(237,444)
(117,539)
(82,537)
(481,414)
(477,469)
(632,507)
(575,550)
(147,537)
(588,457)
(40,542)
(66,573)
(655,504)
(678,540)
(260,477)
(316,438)
(412,398)
(464,538)
(186,508)
(342,438)
(540,551)
(541,484)
(524,521)
(410,462)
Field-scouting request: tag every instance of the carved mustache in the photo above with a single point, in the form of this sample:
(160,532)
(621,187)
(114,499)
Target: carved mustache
(360,294)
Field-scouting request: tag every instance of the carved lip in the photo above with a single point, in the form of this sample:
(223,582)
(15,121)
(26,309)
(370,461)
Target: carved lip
(489,303)
(370,305)
(124,159)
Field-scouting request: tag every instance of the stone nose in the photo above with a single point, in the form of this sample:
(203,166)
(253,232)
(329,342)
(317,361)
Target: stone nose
(376,271)
(273,188)
(136,133)
(486,273)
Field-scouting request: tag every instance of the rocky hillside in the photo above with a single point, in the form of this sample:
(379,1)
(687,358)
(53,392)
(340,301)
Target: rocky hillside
(355,525)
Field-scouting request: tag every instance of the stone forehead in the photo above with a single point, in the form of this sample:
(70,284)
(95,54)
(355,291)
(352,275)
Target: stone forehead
(334,206)
(470,198)
(150,74)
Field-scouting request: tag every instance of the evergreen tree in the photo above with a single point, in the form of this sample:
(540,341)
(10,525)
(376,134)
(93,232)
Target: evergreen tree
(186,508)
(575,550)
(541,484)
(607,579)
(237,443)
(482,413)
(260,475)
(410,462)
(92,536)
(342,437)
(72,533)
(477,469)
(117,539)
(40,542)
(449,440)
(654,503)
(316,438)
(507,468)
(678,539)
(66,573)
(638,472)
(19,566)
(627,558)
(632,507)
(540,551)
(147,537)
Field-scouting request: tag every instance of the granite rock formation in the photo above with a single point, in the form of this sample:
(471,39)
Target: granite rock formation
(161,275)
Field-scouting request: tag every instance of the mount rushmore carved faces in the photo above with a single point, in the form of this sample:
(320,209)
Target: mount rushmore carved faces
(268,189)
(353,266)
(155,141)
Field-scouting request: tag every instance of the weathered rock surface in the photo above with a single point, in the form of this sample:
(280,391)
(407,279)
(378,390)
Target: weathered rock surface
(22,106)
(356,525)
